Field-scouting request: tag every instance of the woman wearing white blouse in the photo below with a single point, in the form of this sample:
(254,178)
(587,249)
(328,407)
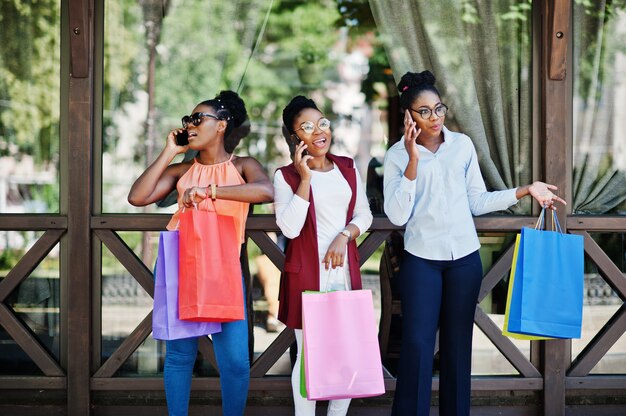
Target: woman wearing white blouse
(321,207)
(433,185)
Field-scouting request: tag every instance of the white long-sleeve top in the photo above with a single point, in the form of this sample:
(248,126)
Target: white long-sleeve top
(331,193)
(437,206)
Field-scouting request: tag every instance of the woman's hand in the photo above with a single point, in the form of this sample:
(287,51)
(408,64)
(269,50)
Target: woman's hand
(336,252)
(300,162)
(171,141)
(410,136)
(542,192)
(194,195)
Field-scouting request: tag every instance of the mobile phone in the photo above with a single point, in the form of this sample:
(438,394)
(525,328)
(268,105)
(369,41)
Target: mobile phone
(296,142)
(182,138)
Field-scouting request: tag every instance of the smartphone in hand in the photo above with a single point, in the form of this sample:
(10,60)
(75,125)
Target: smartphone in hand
(182,138)
(296,142)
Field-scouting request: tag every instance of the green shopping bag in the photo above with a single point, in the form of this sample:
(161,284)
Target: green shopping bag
(302,375)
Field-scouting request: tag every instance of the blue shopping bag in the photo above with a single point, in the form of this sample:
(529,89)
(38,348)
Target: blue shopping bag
(547,298)
(509,295)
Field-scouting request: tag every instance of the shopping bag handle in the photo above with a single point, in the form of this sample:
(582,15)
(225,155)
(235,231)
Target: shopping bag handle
(330,271)
(539,225)
(195,207)
(556,226)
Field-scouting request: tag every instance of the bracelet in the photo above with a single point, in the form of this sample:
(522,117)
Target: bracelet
(213,191)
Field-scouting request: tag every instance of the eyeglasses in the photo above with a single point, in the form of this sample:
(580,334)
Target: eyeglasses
(309,127)
(440,111)
(196,119)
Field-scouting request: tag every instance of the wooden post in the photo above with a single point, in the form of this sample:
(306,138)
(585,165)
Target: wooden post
(79,184)
(556,116)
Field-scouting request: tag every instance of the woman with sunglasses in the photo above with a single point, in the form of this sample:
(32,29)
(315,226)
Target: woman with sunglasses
(433,184)
(233,183)
(321,208)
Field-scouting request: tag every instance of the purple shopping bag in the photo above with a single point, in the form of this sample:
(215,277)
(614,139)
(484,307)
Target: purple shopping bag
(341,351)
(165,322)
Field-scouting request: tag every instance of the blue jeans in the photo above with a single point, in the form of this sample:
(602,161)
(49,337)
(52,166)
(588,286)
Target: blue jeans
(231,352)
(436,293)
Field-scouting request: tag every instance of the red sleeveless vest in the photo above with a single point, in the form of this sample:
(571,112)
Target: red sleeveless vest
(302,267)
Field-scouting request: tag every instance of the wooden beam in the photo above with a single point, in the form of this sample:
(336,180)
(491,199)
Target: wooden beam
(29,343)
(272,353)
(33,222)
(78,284)
(32,383)
(205,346)
(268,247)
(33,410)
(505,345)
(283,383)
(503,223)
(599,382)
(126,349)
(267,222)
(130,222)
(607,269)
(496,273)
(556,141)
(601,343)
(77,289)
(128,258)
(79,39)
(371,244)
(29,262)
(611,224)
(559,37)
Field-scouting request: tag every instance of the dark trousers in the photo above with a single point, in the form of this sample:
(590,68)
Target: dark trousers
(436,293)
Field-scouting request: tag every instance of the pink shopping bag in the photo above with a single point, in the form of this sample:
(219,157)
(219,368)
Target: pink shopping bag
(341,351)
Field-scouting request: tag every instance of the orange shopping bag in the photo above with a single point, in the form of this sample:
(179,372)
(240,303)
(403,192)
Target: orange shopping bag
(210,281)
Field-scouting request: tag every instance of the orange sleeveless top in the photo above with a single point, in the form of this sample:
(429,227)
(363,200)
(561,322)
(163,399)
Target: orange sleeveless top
(221,174)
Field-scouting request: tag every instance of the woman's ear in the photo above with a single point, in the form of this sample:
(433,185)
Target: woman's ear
(221,125)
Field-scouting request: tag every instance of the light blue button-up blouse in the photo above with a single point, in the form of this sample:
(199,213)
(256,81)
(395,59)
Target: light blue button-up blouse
(437,206)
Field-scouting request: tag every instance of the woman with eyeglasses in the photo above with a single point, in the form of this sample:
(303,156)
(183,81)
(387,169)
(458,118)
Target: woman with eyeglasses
(433,184)
(321,208)
(233,183)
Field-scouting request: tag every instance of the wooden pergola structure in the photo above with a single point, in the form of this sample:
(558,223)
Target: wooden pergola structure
(79,380)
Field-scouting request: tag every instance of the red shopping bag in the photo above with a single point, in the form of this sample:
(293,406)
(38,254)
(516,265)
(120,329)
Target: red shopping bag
(210,281)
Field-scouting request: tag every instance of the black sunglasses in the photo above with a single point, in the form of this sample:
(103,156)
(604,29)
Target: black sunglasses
(196,119)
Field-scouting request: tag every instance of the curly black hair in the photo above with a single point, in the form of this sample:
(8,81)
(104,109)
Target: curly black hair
(228,106)
(293,109)
(412,84)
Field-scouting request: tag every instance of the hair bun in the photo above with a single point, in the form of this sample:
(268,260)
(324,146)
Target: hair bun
(295,106)
(235,106)
(414,79)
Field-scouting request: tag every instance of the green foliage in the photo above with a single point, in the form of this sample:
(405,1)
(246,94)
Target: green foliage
(519,11)
(594,21)
(29,78)
(48,194)
(469,13)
